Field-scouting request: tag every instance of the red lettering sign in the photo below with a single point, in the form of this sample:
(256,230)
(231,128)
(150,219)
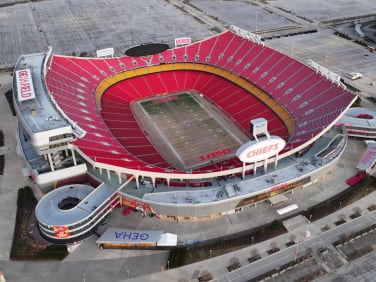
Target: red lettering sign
(254,151)
(279,186)
(25,86)
(137,205)
(215,154)
(262,150)
(183,41)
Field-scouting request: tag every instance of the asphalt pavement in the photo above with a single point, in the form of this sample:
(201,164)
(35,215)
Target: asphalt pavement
(88,263)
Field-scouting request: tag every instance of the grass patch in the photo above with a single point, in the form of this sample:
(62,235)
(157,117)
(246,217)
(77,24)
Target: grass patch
(234,265)
(345,238)
(204,250)
(347,197)
(359,253)
(272,251)
(216,247)
(291,243)
(1,138)
(339,222)
(25,246)
(355,215)
(372,99)
(9,96)
(254,258)
(52,252)
(270,274)
(356,103)
(2,164)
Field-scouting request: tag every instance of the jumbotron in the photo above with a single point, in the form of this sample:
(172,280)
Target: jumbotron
(193,132)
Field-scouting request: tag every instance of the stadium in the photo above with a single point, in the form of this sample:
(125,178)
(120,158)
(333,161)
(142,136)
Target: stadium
(193,132)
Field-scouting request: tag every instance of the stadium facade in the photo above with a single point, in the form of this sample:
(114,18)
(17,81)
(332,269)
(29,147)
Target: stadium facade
(99,131)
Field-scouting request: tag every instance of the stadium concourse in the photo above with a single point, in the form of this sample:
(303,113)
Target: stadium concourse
(88,131)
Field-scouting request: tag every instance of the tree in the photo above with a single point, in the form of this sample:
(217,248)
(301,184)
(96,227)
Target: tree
(357,210)
(273,245)
(255,253)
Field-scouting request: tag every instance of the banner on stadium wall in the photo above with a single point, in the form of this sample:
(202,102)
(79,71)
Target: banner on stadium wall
(182,41)
(25,87)
(136,204)
(61,231)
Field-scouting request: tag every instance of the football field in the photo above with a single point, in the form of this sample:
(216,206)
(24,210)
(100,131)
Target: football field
(188,130)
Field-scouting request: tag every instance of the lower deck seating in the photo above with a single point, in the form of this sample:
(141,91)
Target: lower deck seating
(313,102)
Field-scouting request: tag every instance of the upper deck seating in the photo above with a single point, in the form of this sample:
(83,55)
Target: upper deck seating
(313,102)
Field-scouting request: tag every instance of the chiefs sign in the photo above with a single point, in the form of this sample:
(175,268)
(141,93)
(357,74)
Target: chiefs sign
(253,151)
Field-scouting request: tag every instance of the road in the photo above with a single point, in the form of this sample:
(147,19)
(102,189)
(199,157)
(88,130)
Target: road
(315,242)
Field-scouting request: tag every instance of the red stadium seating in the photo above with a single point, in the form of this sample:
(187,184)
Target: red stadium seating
(313,102)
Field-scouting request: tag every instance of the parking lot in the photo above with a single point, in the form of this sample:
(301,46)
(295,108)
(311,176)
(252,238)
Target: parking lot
(76,27)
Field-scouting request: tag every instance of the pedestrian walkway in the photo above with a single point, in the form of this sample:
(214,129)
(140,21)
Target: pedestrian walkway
(12,178)
(251,216)
(316,236)
(187,231)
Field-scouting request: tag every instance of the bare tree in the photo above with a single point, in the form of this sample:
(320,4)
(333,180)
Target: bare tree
(357,210)
(255,253)
(205,276)
(273,245)
(234,260)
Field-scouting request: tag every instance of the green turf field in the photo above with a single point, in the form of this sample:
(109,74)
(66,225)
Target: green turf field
(188,130)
